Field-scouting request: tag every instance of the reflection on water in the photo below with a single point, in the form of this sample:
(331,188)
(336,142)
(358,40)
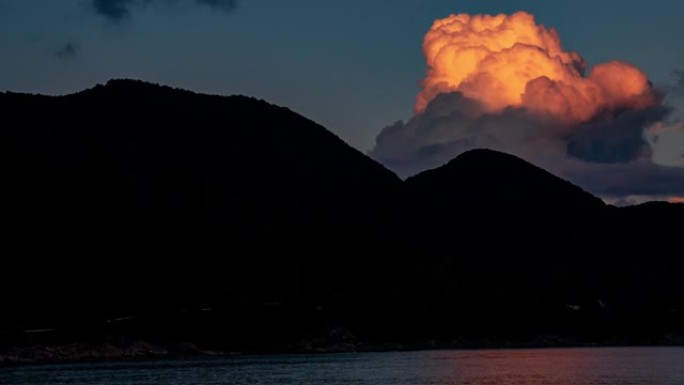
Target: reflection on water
(623,366)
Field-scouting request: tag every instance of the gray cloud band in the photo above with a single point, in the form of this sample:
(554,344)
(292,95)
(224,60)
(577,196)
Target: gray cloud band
(609,155)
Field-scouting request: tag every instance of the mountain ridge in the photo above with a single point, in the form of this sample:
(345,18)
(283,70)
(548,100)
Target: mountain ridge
(131,198)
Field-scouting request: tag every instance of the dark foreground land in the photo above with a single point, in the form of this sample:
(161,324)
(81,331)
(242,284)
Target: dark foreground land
(134,212)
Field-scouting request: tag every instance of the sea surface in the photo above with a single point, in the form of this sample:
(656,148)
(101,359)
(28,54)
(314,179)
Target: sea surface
(624,366)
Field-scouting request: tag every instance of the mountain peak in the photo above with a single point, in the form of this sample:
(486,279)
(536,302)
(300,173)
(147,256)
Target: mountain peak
(491,159)
(131,88)
(502,179)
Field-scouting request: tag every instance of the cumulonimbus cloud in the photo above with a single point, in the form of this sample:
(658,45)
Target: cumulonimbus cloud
(117,10)
(511,61)
(505,82)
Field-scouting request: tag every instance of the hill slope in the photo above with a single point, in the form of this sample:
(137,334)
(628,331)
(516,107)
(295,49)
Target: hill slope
(540,253)
(499,203)
(131,197)
(135,211)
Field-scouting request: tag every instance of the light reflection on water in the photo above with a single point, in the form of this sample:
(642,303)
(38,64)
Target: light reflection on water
(623,366)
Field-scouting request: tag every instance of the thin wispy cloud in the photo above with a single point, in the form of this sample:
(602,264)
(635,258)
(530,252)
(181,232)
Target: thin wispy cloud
(68,51)
(118,10)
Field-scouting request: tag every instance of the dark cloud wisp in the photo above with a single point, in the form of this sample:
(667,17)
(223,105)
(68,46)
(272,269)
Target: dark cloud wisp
(68,51)
(117,10)
(114,10)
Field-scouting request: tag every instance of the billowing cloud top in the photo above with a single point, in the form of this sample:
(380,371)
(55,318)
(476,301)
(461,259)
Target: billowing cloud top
(510,61)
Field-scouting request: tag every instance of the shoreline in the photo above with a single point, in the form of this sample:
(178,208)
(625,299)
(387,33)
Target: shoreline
(141,351)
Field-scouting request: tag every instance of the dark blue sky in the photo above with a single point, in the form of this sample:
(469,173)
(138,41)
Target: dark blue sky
(352,65)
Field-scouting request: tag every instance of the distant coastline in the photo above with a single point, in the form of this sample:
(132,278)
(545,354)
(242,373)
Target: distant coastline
(69,353)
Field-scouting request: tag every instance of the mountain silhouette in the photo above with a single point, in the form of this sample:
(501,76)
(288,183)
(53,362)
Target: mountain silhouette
(137,211)
(476,206)
(130,197)
(504,180)
(520,240)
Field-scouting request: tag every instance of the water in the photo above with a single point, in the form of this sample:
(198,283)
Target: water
(623,366)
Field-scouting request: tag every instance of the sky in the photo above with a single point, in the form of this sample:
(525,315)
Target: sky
(354,66)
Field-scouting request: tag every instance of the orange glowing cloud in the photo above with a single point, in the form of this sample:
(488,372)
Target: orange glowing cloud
(510,61)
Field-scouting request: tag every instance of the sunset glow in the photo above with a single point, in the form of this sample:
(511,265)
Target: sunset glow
(510,61)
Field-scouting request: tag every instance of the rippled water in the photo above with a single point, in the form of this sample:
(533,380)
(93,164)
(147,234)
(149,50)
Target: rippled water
(624,366)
